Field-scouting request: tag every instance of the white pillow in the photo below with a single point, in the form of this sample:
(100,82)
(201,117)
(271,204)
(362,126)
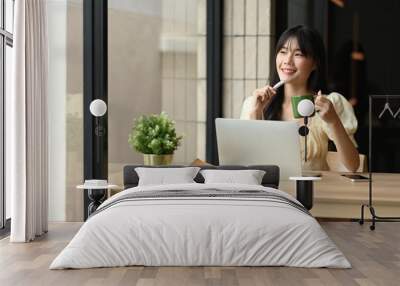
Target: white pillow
(248,177)
(162,176)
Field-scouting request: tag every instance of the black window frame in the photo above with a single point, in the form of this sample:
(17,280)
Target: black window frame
(95,79)
(214,77)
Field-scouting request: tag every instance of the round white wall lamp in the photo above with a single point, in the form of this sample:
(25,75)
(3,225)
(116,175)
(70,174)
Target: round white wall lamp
(98,108)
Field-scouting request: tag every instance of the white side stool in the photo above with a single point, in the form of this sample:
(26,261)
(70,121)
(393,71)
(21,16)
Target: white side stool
(97,197)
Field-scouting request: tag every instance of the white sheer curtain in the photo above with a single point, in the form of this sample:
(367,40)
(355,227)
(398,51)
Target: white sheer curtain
(27,115)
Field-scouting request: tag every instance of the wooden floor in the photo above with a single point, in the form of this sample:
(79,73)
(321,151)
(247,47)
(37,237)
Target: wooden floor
(375,256)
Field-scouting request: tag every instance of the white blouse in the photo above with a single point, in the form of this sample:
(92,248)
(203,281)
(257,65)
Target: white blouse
(317,139)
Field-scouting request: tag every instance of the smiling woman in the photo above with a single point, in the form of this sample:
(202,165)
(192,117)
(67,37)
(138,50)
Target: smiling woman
(300,64)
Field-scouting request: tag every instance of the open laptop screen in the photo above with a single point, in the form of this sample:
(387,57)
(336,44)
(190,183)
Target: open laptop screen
(251,142)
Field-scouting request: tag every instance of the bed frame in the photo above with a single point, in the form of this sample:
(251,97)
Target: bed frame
(270,179)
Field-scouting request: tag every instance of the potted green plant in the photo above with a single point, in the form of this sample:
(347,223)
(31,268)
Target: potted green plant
(155,136)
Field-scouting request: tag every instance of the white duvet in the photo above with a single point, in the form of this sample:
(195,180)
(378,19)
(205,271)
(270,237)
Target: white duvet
(200,231)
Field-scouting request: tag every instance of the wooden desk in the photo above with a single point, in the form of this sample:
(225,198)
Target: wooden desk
(337,197)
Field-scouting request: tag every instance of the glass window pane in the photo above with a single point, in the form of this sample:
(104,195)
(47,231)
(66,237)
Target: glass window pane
(9,15)
(65,107)
(156,63)
(1,15)
(74,106)
(7,78)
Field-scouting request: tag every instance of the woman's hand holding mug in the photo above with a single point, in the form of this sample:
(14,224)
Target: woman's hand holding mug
(325,109)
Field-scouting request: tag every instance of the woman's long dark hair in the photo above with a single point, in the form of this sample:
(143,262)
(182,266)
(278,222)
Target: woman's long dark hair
(311,45)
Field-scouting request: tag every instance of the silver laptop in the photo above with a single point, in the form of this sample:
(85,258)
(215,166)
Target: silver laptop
(250,142)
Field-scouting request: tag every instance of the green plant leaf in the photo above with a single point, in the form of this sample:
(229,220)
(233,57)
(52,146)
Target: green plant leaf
(154,134)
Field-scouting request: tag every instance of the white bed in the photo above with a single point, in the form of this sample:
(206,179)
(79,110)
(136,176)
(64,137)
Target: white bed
(185,230)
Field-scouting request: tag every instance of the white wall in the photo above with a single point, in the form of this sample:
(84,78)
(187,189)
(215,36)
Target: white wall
(57,11)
